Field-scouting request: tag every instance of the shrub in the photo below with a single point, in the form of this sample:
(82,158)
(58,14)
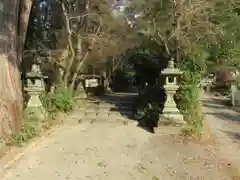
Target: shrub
(188,97)
(60,100)
(149,105)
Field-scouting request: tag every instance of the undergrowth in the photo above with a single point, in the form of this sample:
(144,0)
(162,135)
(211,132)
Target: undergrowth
(30,128)
(188,98)
(148,106)
(61,100)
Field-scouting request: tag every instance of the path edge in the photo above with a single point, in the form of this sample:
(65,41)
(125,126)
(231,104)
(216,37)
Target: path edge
(15,153)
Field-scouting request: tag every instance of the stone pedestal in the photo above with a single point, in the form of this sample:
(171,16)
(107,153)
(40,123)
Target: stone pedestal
(34,105)
(171,114)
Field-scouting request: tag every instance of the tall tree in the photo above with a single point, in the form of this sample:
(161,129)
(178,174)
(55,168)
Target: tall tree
(14,19)
(183,27)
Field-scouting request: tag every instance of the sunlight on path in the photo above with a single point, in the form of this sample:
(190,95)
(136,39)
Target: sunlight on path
(110,151)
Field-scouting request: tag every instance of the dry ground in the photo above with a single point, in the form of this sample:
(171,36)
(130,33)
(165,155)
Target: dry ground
(114,151)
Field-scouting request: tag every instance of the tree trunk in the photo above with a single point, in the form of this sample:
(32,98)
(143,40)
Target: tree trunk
(11,102)
(78,57)
(25,7)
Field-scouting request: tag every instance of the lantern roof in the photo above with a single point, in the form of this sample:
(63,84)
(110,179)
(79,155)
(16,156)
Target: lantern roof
(35,72)
(171,70)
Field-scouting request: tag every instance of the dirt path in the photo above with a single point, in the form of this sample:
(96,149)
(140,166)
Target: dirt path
(116,151)
(225,125)
(110,151)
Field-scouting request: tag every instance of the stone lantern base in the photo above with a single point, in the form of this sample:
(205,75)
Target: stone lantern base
(81,91)
(34,107)
(172,117)
(36,112)
(171,114)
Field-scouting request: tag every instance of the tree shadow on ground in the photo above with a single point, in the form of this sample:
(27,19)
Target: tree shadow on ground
(221,111)
(234,135)
(216,103)
(119,102)
(124,103)
(226,116)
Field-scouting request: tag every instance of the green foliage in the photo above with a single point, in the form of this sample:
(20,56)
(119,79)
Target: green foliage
(148,115)
(30,128)
(188,96)
(179,25)
(226,53)
(149,105)
(60,100)
(169,28)
(147,62)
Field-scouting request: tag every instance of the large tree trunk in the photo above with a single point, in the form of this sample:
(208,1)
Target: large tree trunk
(10,76)
(25,7)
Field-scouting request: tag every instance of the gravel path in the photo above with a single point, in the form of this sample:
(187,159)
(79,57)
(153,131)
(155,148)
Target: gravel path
(108,152)
(225,125)
(114,151)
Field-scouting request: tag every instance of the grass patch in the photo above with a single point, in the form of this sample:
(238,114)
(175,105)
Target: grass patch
(30,128)
(58,102)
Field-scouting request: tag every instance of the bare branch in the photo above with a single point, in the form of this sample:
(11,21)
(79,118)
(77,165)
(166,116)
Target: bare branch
(84,59)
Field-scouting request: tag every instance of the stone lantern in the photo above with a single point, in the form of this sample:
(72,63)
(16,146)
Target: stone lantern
(35,86)
(234,89)
(171,114)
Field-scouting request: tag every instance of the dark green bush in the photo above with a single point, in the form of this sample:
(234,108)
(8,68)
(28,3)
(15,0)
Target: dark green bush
(149,105)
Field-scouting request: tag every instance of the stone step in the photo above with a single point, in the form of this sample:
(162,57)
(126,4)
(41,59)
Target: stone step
(116,98)
(91,112)
(103,115)
(106,119)
(119,113)
(120,102)
(112,102)
(105,109)
(105,106)
(120,108)
(73,120)
(117,117)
